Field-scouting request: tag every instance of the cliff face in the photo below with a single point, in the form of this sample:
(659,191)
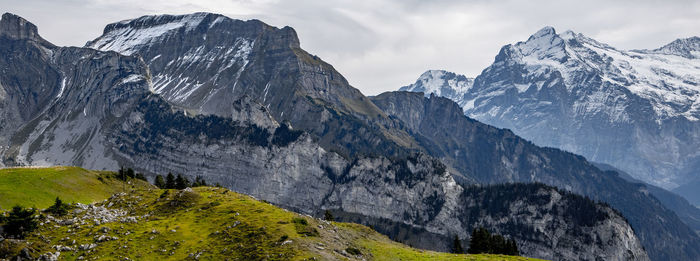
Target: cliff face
(203,61)
(103,110)
(493,155)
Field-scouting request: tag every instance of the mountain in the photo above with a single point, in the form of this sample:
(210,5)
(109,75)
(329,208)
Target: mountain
(636,110)
(309,143)
(687,212)
(198,223)
(441,83)
(201,62)
(493,155)
(688,191)
(349,124)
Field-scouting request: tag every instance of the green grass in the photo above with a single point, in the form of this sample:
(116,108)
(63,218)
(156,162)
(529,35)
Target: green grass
(214,223)
(38,187)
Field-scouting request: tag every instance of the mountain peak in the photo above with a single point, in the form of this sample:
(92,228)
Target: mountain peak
(16,27)
(174,21)
(129,35)
(685,47)
(441,83)
(545,31)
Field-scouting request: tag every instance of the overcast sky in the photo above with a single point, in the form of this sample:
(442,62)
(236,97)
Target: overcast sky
(381,45)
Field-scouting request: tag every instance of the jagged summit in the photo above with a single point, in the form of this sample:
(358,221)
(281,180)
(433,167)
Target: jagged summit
(441,83)
(545,31)
(686,47)
(16,27)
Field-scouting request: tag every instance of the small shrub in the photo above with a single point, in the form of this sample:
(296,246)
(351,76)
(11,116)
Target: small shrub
(185,198)
(302,227)
(353,251)
(328,216)
(300,221)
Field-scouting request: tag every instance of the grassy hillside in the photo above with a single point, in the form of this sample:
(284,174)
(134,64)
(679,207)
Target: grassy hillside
(38,187)
(202,223)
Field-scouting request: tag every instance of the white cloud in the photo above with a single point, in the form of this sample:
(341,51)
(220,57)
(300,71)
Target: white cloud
(381,45)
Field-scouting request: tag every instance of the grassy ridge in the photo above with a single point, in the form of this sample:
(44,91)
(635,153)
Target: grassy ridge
(38,187)
(205,223)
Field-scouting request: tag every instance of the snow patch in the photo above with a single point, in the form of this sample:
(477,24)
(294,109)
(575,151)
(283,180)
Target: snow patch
(125,39)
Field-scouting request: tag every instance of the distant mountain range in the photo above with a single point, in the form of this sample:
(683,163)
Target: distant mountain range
(637,110)
(240,103)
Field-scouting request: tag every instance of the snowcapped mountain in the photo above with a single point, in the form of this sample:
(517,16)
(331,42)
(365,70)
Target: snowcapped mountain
(637,110)
(441,83)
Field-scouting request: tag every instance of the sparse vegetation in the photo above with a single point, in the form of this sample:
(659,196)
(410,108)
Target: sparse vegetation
(328,216)
(209,223)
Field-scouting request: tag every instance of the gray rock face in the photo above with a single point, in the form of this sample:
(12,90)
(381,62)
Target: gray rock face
(103,110)
(492,155)
(204,61)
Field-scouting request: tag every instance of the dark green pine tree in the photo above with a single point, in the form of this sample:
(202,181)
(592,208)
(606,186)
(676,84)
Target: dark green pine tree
(159,182)
(512,248)
(130,173)
(170,181)
(122,173)
(141,176)
(58,208)
(479,242)
(181,182)
(457,246)
(20,222)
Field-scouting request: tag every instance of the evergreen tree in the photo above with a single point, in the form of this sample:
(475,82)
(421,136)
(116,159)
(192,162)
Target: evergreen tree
(199,182)
(58,208)
(484,242)
(457,246)
(181,182)
(130,173)
(479,242)
(141,176)
(170,181)
(328,216)
(20,222)
(512,248)
(122,173)
(159,182)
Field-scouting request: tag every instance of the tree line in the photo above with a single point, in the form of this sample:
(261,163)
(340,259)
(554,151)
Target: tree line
(178,182)
(170,181)
(483,242)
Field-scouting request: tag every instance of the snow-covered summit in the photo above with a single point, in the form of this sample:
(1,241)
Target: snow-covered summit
(127,35)
(441,83)
(687,47)
(668,77)
(638,110)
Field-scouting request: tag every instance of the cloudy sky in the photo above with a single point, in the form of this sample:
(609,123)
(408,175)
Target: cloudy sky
(381,45)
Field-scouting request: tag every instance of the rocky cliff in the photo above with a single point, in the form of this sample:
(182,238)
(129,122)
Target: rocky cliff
(493,155)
